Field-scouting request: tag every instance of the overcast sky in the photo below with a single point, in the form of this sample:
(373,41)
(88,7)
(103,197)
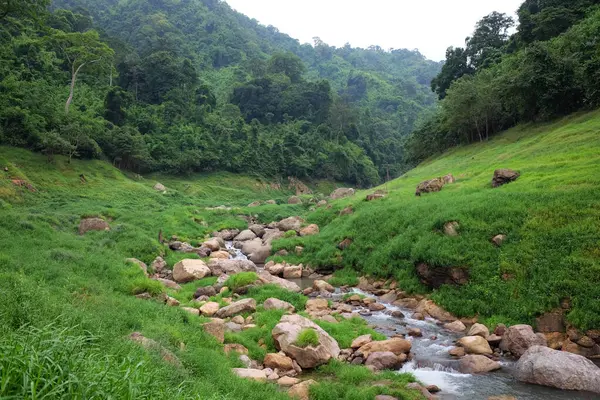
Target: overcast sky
(428,25)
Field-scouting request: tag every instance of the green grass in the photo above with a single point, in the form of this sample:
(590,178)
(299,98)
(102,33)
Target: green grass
(240,280)
(550,215)
(346,330)
(307,337)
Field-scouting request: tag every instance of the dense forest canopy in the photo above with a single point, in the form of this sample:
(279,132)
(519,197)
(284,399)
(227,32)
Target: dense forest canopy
(548,68)
(189,85)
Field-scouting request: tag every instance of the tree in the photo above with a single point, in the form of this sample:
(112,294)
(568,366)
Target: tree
(19,8)
(456,66)
(288,64)
(491,34)
(81,50)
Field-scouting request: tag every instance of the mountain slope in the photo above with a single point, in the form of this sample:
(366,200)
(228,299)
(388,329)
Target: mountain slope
(550,217)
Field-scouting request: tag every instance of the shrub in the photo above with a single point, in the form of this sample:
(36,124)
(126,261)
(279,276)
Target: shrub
(240,280)
(307,337)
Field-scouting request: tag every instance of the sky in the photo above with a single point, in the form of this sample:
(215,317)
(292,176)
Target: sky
(430,26)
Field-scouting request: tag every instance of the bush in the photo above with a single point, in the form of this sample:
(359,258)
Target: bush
(307,337)
(240,280)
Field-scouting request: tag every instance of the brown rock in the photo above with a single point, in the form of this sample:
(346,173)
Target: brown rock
(316,305)
(150,344)
(361,341)
(457,352)
(239,307)
(234,347)
(451,228)
(479,330)
(347,211)
(430,186)
(323,286)
(301,391)
(556,340)
(396,346)
(249,373)
(276,304)
(215,329)
(456,326)
(93,224)
(220,255)
(518,338)
(384,360)
(292,272)
(376,307)
(551,322)
(504,176)
(278,361)
(498,240)
(375,196)
(428,307)
(475,345)
(310,230)
(344,244)
(214,244)
(190,270)
(340,193)
(288,381)
(477,364)
(435,277)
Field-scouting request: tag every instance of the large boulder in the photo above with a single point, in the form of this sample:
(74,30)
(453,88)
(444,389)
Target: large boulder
(395,345)
(323,286)
(190,270)
(384,360)
(219,267)
(267,278)
(477,364)
(286,333)
(294,200)
(290,224)
(272,234)
(475,345)
(479,330)
(258,230)
(340,193)
(456,326)
(518,338)
(245,236)
(239,307)
(543,366)
(256,251)
(276,304)
(504,176)
(159,187)
(214,244)
(216,329)
(292,272)
(228,234)
(428,307)
(93,224)
(432,185)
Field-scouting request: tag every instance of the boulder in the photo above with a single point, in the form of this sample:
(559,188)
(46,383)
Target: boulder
(457,352)
(216,329)
(276,304)
(376,307)
(430,186)
(288,381)
(220,255)
(498,240)
(228,234)
(286,333)
(158,265)
(456,326)
(256,251)
(479,330)
(258,230)
(340,193)
(494,340)
(214,244)
(93,224)
(267,278)
(477,364)
(451,228)
(245,236)
(518,338)
(323,286)
(274,269)
(475,345)
(361,341)
(376,196)
(543,366)
(271,202)
(159,187)
(301,391)
(207,291)
(168,283)
(504,176)
(316,305)
(190,270)
(294,200)
(239,307)
(310,230)
(248,373)
(278,361)
(219,267)
(292,272)
(290,224)
(209,309)
(428,307)
(395,345)
(381,360)
(272,234)
(191,310)
(389,297)
(152,345)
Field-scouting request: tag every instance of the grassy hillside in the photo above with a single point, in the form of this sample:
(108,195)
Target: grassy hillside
(551,217)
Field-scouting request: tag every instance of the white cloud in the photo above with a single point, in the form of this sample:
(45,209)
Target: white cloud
(428,25)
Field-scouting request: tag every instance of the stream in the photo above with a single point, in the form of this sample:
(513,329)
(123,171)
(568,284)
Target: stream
(432,365)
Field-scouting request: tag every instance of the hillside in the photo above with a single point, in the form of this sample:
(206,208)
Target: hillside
(549,215)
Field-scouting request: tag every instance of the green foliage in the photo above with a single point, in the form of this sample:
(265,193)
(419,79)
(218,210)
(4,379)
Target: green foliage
(346,330)
(307,337)
(240,280)
(264,292)
(345,277)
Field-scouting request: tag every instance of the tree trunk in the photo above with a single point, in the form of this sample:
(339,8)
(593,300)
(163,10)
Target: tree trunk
(72,91)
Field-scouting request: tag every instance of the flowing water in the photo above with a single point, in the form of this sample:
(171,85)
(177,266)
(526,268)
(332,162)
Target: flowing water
(432,365)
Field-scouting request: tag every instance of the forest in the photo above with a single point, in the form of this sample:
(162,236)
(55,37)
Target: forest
(550,67)
(193,86)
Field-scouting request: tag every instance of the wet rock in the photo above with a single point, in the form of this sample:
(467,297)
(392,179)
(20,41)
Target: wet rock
(457,352)
(239,307)
(414,332)
(398,314)
(504,176)
(544,366)
(340,193)
(93,224)
(475,345)
(456,326)
(409,303)
(190,270)
(428,307)
(376,307)
(418,316)
(477,364)
(389,297)
(221,255)
(286,333)
(518,338)
(228,234)
(494,340)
